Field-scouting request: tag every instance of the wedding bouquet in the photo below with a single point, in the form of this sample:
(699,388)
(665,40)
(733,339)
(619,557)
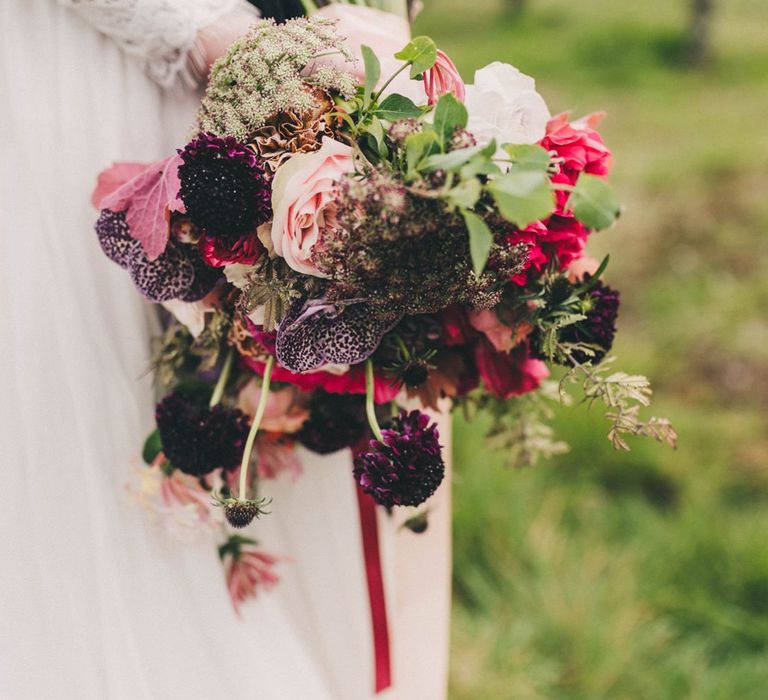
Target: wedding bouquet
(343,239)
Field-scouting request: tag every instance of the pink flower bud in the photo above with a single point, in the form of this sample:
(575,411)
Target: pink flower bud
(443,78)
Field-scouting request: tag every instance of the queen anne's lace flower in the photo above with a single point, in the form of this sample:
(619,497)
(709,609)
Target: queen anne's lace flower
(270,70)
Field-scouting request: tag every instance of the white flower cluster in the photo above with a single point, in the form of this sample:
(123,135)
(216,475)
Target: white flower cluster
(265,72)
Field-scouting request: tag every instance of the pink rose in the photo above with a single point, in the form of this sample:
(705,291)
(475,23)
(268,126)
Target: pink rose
(443,78)
(301,192)
(502,337)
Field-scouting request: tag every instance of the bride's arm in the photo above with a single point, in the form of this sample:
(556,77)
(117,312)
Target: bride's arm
(174,38)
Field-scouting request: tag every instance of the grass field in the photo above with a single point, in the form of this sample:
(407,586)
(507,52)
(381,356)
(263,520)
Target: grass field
(640,575)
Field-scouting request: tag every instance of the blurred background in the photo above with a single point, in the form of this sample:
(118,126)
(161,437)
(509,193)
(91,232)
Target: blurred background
(601,574)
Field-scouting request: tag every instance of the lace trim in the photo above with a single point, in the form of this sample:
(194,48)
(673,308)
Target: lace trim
(164,34)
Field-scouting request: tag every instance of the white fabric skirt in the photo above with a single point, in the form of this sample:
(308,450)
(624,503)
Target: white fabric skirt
(96,604)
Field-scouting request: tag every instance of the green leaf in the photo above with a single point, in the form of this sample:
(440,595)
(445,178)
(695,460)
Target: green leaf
(523,196)
(480,240)
(528,157)
(416,147)
(372,72)
(594,203)
(396,107)
(465,194)
(153,446)
(449,114)
(421,53)
(450,161)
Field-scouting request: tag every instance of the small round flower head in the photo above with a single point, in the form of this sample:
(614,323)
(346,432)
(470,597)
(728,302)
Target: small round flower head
(599,327)
(197,439)
(407,467)
(223,186)
(240,514)
(335,421)
(318,333)
(167,277)
(115,237)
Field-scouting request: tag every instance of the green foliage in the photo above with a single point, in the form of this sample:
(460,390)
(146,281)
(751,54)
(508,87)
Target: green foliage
(594,202)
(372,72)
(394,107)
(523,196)
(420,53)
(480,240)
(153,446)
(450,114)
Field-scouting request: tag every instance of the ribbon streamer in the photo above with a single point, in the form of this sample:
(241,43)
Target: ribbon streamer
(376,599)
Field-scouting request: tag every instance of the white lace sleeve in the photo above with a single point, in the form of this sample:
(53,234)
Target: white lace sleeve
(164,34)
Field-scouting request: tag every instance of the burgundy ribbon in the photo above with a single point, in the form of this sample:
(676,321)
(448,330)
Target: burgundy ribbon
(378,604)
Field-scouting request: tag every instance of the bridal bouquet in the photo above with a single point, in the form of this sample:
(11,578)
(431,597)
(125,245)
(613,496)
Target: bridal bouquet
(343,239)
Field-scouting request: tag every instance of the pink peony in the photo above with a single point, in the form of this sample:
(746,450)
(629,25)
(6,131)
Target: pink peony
(249,572)
(284,413)
(502,337)
(443,78)
(508,374)
(302,198)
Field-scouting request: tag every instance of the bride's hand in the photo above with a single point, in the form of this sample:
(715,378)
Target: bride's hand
(214,40)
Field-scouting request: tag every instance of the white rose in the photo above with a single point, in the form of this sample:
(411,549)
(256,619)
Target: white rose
(503,104)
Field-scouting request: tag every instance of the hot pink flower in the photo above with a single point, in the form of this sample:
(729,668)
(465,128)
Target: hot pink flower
(443,78)
(580,147)
(351,382)
(248,572)
(508,374)
(302,191)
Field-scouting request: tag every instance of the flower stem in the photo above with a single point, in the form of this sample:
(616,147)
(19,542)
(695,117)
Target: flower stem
(255,427)
(370,407)
(221,384)
(376,97)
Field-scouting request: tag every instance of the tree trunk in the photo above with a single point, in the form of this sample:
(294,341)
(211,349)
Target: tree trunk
(699,47)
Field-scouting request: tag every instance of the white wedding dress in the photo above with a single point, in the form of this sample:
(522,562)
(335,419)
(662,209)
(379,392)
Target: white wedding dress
(95,603)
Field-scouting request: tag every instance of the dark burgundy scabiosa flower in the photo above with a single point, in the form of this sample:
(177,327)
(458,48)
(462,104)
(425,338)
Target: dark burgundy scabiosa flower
(115,237)
(318,332)
(599,328)
(225,191)
(407,467)
(335,421)
(197,439)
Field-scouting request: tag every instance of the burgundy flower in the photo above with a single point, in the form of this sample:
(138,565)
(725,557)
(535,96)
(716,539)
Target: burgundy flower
(599,327)
(197,439)
(225,192)
(335,421)
(407,467)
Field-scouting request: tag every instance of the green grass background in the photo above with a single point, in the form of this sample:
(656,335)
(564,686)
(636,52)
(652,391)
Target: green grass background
(641,575)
